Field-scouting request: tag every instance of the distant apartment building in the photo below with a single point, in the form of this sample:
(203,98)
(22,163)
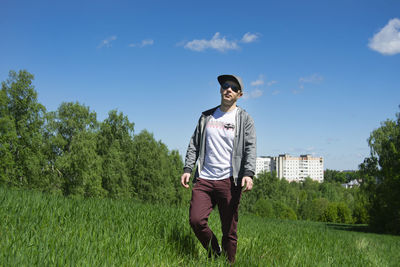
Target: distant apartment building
(265,164)
(293,168)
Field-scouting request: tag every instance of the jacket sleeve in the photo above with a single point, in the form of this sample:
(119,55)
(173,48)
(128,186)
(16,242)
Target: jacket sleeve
(192,152)
(250,147)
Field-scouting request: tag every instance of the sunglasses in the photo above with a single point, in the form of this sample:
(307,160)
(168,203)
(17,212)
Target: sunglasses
(233,87)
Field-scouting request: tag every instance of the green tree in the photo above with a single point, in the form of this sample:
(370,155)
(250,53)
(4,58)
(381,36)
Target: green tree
(318,208)
(332,191)
(336,212)
(353,175)
(306,212)
(115,141)
(8,139)
(263,208)
(383,166)
(74,143)
(52,151)
(312,188)
(175,171)
(282,211)
(21,128)
(81,167)
(334,176)
(69,120)
(265,186)
(151,170)
(361,204)
(343,213)
(330,213)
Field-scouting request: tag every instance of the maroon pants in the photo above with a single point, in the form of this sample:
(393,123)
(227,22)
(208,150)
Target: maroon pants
(205,195)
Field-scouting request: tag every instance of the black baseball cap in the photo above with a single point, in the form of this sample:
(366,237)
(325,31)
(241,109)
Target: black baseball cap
(228,77)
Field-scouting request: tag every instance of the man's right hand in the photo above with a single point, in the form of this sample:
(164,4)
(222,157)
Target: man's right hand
(185,180)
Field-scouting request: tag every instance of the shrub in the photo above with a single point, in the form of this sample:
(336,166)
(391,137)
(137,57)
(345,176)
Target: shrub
(343,213)
(263,208)
(319,206)
(330,214)
(282,211)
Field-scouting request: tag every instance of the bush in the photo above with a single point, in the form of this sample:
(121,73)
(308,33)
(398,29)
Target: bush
(282,211)
(330,214)
(319,207)
(343,213)
(263,208)
(360,214)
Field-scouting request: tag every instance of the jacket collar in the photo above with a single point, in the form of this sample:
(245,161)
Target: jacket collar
(212,110)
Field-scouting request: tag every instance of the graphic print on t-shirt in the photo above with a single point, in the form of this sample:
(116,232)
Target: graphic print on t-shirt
(220,133)
(221,125)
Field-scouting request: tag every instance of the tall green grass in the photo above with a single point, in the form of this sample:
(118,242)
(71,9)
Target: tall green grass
(46,230)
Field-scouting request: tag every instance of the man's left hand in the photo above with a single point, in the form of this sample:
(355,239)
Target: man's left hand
(248,182)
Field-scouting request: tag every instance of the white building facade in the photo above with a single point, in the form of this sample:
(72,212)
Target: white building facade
(293,168)
(264,164)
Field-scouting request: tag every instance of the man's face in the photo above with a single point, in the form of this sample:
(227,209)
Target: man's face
(228,96)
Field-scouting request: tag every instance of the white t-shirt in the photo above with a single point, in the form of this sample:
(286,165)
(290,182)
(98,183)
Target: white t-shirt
(220,133)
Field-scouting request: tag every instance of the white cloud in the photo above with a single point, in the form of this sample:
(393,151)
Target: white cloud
(217,42)
(249,37)
(253,94)
(276,92)
(147,42)
(256,93)
(261,81)
(387,40)
(258,82)
(143,43)
(312,79)
(107,42)
(315,78)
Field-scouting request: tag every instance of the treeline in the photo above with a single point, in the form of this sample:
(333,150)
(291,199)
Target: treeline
(272,197)
(375,201)
(69,152)
(333,176)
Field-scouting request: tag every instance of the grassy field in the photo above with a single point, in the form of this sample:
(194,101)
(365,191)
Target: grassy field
(44,230)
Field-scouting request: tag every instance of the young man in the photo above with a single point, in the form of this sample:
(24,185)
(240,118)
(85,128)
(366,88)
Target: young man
(224,147)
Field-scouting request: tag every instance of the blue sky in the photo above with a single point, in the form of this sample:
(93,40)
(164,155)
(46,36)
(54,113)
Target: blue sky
(319,75)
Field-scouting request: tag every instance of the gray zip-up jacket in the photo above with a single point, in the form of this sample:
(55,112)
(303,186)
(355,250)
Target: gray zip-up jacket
(244,146)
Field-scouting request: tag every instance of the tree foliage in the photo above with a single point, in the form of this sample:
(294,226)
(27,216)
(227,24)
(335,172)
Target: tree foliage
(342,177)
(8,141)
(114,146)
(21,136)
(263,208)
(382,172)
(69,152)
(153,177)
(308,200)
